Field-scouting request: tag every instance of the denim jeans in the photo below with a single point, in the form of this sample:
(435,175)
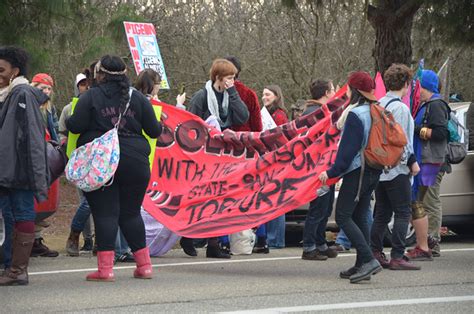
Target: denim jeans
(82,216)
(276,232)
(351,215)
(343,240)
(16,205)
(314,232)
(392,197)
(121,245)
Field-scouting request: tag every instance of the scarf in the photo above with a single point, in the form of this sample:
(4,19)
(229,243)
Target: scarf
(15,82)
(212,102)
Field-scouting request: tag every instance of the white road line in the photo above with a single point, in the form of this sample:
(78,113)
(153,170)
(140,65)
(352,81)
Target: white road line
(355,305)
(232,261)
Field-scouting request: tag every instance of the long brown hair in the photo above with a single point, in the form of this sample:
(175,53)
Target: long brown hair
(279,103)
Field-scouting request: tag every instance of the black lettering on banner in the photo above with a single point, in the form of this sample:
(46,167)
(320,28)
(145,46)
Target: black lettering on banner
(283,156)
(214,145)
(165,166)
(192,208)
(262,163)
(166,139)
(331,137)
(244,208)
(310,165)
(322,158)
(184,139)
(265,196)
(232,146)
(302,155)
(333,152)
(199,173)
(288,184)
(227,203)
(208,204)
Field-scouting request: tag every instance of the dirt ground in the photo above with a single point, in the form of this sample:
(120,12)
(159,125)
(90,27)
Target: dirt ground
(56,234)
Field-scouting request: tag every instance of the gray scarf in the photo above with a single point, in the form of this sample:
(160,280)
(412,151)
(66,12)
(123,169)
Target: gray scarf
(212,102)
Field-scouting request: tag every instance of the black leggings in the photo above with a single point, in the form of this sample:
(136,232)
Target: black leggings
(119,205)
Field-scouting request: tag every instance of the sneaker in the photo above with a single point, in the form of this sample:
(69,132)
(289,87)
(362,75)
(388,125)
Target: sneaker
(418,254)
(88,245)
(314,255)
(366,271)
(330,252)
(340,248)
(402,264)
(39,249)
(381,258)
(125,258)
(261,249)
(436,251)
(226,248)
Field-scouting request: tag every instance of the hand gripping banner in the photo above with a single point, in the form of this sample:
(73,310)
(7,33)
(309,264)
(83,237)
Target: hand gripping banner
(206,183)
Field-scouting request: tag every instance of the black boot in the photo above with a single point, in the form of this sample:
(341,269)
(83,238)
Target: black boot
(187,246)
(216,252)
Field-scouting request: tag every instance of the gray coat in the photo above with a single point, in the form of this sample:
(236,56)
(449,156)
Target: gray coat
(22,143)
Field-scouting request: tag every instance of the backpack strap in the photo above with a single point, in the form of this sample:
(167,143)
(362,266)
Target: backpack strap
(117,125)
(391,101)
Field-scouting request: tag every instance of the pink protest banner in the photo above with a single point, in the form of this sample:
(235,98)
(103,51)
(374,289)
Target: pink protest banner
(207,183)
(380,90)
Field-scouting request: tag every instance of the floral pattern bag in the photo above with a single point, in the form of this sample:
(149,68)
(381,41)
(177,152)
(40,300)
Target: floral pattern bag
(93,165)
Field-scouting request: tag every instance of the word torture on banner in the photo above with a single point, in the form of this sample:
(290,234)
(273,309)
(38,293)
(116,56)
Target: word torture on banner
(207,183)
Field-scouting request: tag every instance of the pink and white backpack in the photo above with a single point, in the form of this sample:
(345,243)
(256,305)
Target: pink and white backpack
(93,165)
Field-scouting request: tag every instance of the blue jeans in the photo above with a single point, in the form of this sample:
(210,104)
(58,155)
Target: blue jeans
(393,197)
(82,215)
(121,245)
(351,215)
(314,233)
(276,232)
(343,240)
(16,205)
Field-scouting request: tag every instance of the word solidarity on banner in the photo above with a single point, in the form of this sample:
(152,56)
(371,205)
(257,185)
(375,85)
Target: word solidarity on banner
(208,183)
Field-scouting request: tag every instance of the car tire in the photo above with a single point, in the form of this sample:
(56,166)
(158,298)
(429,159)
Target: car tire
(410,238)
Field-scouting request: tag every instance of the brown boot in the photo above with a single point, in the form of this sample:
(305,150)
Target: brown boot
(72,244)
(21,248)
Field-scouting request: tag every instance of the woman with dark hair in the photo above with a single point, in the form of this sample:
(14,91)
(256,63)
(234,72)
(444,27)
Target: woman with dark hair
(272,99)
(352,206)
(24,173)
(119,204)
(148,83)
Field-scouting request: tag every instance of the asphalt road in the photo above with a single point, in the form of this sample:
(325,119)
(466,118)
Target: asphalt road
(277,282)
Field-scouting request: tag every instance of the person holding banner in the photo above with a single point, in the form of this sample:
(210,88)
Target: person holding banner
(118,204)
(351,212)
(220,99)
(272,99)
(314,233)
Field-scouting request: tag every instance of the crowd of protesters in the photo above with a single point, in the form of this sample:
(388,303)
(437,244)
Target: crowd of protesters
(103,94)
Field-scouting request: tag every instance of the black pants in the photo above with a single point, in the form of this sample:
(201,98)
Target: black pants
(351,216)
(392,197)
(119,205)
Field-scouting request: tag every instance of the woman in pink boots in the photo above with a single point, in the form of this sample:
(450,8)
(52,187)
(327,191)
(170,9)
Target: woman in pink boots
(118,204)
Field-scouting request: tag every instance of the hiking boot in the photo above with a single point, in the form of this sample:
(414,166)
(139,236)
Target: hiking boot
(188,246)
(39,249)
(381,258)
(366,271)
(17,274)
(329,252)
(72,244)
(261,249)
(216,252)
(402,264)
(314,255)
(340,248)
(88,245)
(418,254)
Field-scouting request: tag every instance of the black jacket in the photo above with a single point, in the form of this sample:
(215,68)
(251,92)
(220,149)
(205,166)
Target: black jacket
(97,111)
(22,142)
(238,112)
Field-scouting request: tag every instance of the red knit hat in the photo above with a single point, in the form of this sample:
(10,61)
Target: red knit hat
(43,78)
(364,83)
